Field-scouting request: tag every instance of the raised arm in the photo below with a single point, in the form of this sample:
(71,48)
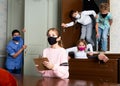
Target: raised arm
(65,25)
(72,49)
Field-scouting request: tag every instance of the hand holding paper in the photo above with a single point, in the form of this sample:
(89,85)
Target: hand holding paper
(48,64)
(39,63)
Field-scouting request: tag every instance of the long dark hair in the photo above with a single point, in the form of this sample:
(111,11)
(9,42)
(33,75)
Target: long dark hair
(71,15)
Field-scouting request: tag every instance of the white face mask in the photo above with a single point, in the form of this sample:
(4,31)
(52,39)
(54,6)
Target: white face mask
(77,16)
(16,42)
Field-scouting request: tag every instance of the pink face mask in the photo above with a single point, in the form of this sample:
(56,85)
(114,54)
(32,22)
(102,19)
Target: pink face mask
(81,48)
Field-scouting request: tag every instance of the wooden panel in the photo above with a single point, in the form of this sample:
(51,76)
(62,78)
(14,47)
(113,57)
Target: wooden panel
(111,55)
(72,34)
(91,69)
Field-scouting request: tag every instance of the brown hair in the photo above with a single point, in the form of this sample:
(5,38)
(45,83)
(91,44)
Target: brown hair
(104,6)
(58,34)
(83,41)
(71,15)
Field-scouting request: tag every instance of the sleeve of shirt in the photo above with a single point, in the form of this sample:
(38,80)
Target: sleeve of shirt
(62,70)
(44,53)
(110,16)
(10,50)
(97,19)
(72,49)
(70,24)
(90,48)
(90,12)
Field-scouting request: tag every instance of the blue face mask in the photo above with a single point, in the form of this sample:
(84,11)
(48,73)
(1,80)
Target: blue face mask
(16,38)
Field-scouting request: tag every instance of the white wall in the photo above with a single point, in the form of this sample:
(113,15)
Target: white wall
(15,16)
(3,28)
(115,29)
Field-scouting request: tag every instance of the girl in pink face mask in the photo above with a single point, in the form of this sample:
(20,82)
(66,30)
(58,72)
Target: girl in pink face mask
(82,49)
(79,50)
(81,45)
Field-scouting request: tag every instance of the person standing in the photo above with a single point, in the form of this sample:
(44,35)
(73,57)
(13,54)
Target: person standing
(86,22)
(103,23)
(15,48)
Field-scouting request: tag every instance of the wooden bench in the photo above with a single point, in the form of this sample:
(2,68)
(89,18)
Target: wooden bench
(94,70)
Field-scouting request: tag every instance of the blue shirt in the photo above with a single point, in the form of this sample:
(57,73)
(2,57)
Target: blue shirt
(12,48)
(104,22)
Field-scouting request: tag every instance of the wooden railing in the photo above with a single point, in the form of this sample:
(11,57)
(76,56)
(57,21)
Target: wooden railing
(95,70)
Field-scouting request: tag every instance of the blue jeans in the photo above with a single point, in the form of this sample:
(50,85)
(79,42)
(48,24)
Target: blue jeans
(86,33)
(103,35)
(14,71)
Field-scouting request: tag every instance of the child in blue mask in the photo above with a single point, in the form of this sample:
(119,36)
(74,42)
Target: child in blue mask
(15,47)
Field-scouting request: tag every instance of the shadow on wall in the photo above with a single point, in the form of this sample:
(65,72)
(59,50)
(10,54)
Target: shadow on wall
(2,61)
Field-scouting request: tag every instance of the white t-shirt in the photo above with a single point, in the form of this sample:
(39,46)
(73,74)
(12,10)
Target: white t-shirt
(84,18)
(80,54)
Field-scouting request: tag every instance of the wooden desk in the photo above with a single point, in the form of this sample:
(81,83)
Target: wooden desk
(92,69)
(39,81)
(87,72)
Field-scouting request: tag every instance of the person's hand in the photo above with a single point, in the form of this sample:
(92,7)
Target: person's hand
(103,57)
(42,72)
(96,16)
(48,65)
(23,30)
(97,35)
(24,47)
(63,25)
(90,53)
